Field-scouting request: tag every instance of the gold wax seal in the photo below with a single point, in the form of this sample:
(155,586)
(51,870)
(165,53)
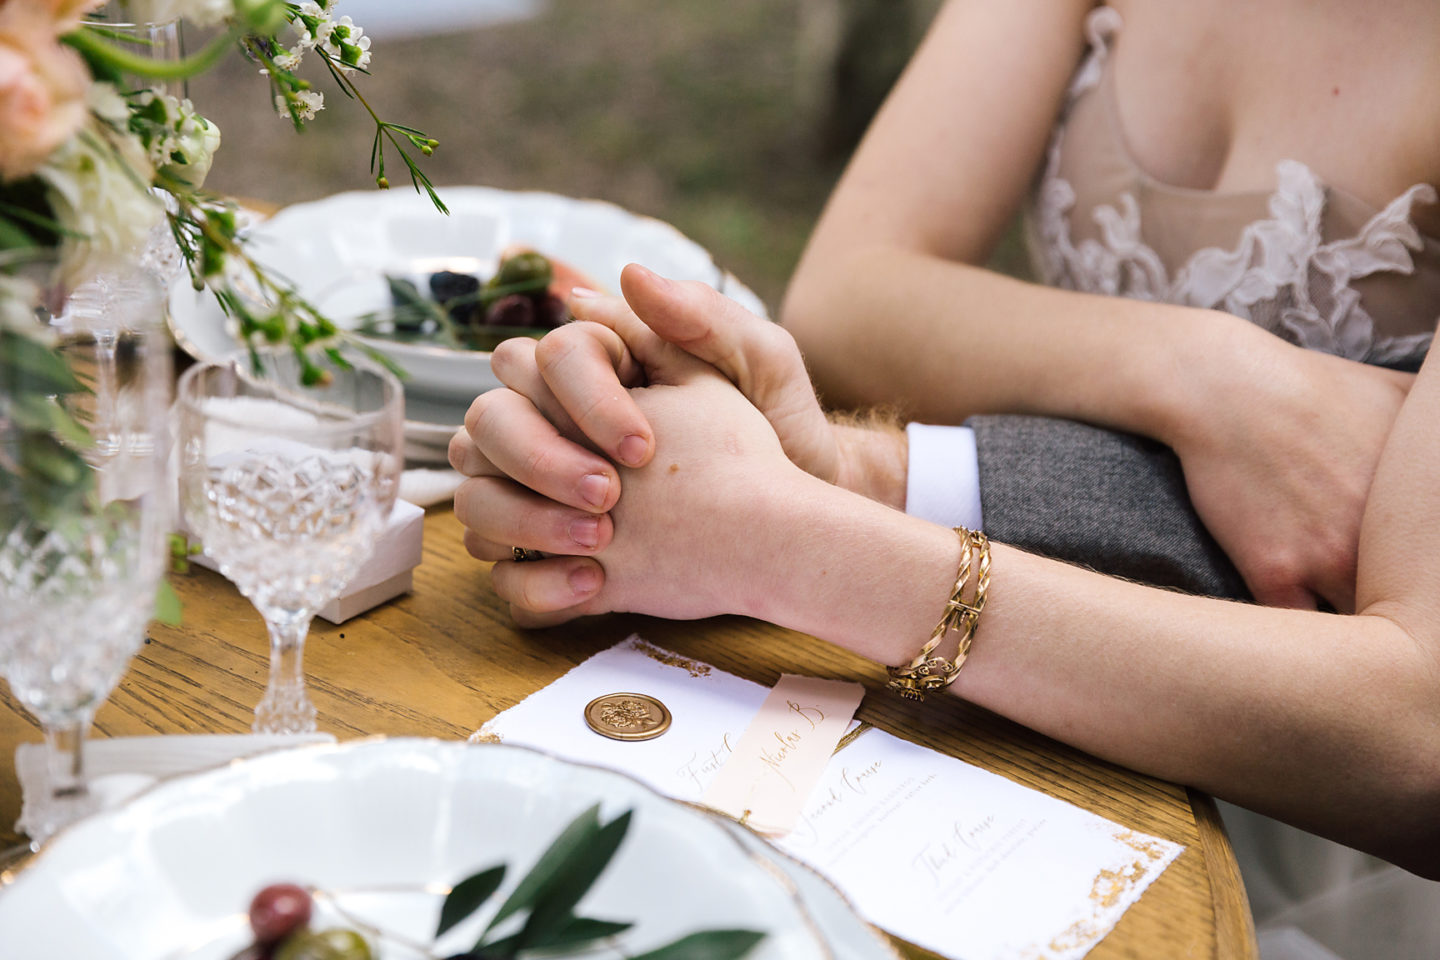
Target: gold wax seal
(627,716)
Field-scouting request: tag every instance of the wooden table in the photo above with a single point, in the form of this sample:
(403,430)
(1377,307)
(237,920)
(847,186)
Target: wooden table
(442,661)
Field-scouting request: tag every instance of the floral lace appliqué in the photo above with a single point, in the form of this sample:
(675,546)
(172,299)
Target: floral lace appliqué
(1280,275)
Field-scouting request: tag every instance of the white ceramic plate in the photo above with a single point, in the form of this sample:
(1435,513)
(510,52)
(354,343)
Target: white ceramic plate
(847,936)
(169,874)
(337,251)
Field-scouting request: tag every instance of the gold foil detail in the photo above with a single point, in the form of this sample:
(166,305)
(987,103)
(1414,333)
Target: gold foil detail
(694,667)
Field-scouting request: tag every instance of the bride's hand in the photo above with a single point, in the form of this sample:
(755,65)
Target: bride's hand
(1279,467)
(536,481)
(678,543)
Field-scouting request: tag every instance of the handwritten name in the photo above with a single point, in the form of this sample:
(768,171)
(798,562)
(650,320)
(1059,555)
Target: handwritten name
(785,742)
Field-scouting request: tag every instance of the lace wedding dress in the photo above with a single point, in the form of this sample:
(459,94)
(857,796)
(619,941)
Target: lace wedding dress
(1323,270)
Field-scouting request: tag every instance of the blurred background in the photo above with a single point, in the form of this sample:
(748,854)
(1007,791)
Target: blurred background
(729,120)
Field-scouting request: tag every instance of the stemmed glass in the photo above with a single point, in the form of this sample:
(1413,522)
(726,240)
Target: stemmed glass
(286,486)
(86,505)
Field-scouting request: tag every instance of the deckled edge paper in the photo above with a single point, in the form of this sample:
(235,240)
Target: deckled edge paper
(949,856)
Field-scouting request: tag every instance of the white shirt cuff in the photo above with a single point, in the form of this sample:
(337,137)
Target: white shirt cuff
(943,482)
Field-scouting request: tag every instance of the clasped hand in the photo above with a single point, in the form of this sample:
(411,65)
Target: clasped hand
(711,419)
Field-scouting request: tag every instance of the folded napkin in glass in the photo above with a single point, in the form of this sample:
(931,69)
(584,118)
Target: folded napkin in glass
(123,766)
(949,856)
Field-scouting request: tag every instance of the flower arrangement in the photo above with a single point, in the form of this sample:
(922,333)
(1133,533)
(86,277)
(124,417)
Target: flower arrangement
(92,158)
(97,161)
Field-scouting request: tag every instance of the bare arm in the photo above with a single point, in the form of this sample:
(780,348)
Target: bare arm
(893,272)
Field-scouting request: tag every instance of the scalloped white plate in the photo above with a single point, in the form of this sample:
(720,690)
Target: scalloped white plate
(170,873)
(338,250)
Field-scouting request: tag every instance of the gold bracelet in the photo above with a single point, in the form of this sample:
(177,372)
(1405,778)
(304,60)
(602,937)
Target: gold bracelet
(926,673)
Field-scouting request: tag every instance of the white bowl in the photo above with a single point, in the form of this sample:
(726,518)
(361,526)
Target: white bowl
(384,825)
(337,251)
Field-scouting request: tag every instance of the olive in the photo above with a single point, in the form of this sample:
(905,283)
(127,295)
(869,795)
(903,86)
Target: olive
(278,911)
(516,310)
(528,268)
(550,312)
(334,944)
(456,292)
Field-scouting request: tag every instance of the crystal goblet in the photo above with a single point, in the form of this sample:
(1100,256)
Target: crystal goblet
(286,486)
(86,505)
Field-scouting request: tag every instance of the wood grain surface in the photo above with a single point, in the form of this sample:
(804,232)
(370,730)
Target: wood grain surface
(446,658)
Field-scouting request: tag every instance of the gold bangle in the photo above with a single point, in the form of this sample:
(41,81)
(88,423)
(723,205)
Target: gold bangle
(926,672)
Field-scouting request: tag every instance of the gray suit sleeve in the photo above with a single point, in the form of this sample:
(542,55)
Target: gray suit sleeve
(1111,501)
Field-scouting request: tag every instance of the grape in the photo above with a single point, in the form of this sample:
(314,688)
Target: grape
(278,911)
(334,944)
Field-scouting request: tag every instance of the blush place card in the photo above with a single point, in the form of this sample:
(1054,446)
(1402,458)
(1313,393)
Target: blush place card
(770,774)
(937,851)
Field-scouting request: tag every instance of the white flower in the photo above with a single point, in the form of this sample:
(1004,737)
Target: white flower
(105,102)
(345,42)
(307,104)
(98,189)
(181,143)
(290,59)
(17,311)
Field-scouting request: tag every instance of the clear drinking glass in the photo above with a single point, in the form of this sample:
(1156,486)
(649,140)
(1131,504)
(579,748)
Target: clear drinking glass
(86,504)
(287,486)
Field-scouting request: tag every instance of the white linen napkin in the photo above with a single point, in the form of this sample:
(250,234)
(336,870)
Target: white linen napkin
(425,488)
(121,767)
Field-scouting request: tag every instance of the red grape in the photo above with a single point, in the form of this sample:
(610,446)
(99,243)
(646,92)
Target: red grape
(278,911)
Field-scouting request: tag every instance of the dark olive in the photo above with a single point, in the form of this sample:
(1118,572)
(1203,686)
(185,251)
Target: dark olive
(456,292)
(550,312)
(516,310)
(278,911)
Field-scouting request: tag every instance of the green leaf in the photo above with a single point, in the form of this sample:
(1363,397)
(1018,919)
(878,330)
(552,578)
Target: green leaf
(467,896)
(384,361)
(13,238)
(583,930)
(34,367)
(168,608)
(41,413)
(503,949)
(581,831)
(41,455)
(707,945)
(555,903)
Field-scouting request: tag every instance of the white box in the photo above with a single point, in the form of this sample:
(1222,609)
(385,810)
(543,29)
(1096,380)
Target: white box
(387,574)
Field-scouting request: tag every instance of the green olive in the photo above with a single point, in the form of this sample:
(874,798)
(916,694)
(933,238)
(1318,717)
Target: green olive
(334,944)
(528,268)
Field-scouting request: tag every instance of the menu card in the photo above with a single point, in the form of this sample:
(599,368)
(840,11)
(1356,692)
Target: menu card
(944,854)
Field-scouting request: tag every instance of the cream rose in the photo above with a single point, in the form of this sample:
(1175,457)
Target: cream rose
(98,190)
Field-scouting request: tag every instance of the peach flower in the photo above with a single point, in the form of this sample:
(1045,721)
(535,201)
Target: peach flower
(61,16)
(42,84)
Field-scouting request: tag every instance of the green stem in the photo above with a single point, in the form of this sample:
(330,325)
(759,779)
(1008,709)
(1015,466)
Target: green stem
(89,42)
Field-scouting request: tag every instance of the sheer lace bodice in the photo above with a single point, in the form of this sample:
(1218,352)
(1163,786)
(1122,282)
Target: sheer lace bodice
(1308,262)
